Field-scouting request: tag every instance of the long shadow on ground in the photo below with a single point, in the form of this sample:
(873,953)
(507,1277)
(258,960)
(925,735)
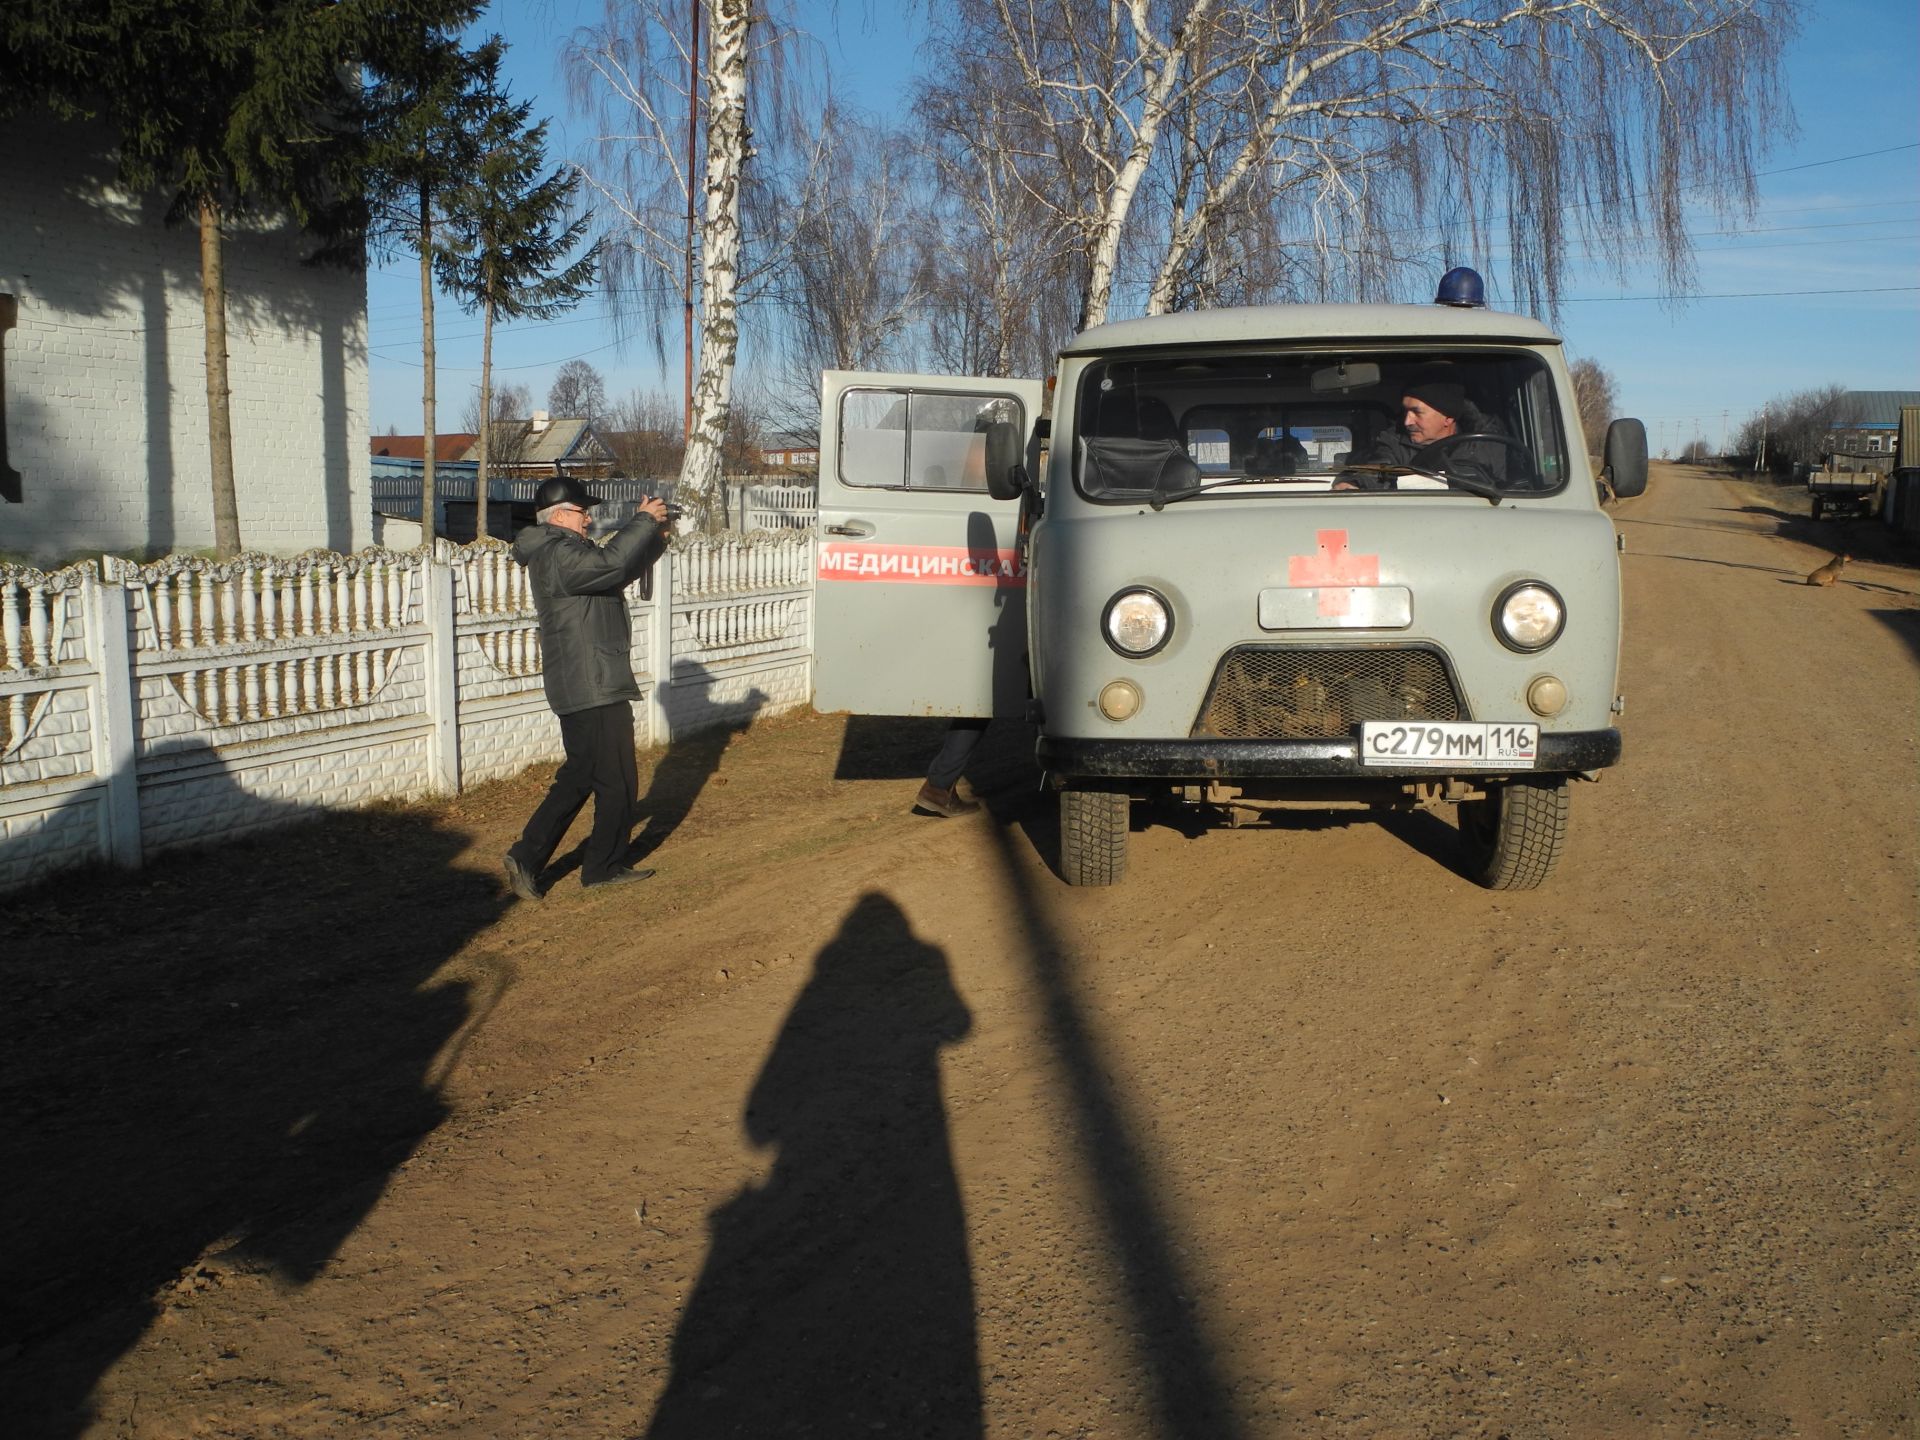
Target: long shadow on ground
(837,1297)
(1191,1396)
(214,1064)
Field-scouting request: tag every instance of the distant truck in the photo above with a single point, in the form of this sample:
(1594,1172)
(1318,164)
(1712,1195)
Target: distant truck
(1848,494)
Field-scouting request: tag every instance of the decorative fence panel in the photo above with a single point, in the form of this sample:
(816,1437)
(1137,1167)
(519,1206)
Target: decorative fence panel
(740,629)
(192,700)
(56,758)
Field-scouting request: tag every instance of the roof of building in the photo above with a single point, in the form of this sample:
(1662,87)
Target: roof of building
(1878,407)
(568,438)
(412,447)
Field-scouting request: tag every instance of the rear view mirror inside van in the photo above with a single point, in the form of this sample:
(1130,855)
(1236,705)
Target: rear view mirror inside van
(1347,375)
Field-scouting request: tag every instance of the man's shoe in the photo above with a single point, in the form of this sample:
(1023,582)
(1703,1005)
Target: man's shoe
(618,877)
(932,800)
(524,882)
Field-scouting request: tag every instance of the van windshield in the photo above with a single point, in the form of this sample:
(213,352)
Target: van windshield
(1182,425)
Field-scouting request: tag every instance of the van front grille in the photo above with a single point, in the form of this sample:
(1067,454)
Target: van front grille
(1281,693)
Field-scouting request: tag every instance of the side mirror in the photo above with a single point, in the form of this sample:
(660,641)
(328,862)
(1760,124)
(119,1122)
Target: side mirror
(1625,462)
(1006,476)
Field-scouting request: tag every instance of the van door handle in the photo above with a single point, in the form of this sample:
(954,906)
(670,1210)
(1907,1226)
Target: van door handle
(860,529)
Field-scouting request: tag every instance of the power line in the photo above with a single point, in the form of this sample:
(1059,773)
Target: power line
(1840,159)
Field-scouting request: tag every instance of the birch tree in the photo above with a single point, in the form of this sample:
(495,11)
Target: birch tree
(1593,396)
(854,278)
(669,171)
(577,390)
(1005,274)
(727,152)
(1368,137)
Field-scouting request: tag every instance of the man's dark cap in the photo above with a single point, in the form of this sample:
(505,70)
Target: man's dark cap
(563,490)
(1449,397)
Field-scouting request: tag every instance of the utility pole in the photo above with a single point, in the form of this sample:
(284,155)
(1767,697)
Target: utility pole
(1761,464)
(693,125)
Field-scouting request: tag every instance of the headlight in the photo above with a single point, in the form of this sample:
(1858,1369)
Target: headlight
(1529,616)
(1137,623)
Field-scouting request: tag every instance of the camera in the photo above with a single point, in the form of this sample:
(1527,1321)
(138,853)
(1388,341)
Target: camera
(674,512)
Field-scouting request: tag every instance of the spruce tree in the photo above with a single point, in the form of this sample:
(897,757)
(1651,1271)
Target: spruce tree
(509,239)
(236,107)
(422,121)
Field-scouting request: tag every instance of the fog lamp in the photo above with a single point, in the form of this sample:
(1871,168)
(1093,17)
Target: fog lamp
(1120,700)
(1547,696)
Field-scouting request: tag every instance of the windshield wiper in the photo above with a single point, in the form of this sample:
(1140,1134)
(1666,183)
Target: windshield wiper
(1161,498)
(1485,489)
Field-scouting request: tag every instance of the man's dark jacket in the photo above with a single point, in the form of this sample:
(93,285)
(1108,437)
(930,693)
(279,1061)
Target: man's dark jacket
(1396,447)
(586,637)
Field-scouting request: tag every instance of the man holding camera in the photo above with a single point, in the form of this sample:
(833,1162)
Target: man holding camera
(586,639)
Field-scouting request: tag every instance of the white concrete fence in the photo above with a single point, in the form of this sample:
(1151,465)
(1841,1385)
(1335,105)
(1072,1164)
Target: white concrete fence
(148,707)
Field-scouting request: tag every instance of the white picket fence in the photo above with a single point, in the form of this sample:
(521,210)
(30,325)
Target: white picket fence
(147,707)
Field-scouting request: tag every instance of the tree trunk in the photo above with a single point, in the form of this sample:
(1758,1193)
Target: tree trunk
(1166,64)
(486,422)
(213,297)
(727,139)
(428,503)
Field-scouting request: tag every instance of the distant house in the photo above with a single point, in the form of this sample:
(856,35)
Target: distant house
(414,447)
(543,446)
(1867,434)
(791,452)
(103,409)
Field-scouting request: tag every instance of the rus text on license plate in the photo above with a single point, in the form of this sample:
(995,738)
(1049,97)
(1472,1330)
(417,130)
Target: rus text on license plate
(1455,745)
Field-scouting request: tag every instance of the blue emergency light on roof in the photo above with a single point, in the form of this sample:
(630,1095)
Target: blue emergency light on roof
(1461,286)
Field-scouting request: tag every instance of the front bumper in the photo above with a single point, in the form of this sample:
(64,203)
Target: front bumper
(1561,753)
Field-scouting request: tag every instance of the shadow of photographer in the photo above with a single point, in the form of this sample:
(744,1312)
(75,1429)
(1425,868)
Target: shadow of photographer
(837,1296)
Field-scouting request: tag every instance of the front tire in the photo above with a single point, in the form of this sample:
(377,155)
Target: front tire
(1514,836)
(1093,836)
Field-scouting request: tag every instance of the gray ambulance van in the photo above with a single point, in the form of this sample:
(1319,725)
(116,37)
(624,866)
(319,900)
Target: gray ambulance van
(1230,570)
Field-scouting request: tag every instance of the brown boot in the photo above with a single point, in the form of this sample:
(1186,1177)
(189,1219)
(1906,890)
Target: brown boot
(932,800)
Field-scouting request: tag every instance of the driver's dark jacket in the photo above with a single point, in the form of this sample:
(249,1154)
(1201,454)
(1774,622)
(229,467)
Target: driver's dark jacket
(578,587)
(1478,458)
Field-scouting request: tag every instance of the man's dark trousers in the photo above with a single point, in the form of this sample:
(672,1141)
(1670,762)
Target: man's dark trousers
(599,763)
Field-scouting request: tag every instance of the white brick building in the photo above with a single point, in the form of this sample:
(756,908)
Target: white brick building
(103,373)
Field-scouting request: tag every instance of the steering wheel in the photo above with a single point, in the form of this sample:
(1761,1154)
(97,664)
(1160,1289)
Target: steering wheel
(1434,455)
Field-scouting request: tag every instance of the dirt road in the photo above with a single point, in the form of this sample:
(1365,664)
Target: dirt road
(858,1124)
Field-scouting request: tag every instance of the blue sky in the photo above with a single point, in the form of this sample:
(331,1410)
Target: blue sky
(1821,287)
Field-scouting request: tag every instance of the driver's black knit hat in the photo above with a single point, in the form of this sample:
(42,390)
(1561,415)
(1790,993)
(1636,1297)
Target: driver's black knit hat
(1449,397)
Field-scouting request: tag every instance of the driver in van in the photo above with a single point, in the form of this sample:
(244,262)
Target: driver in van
(1433,409)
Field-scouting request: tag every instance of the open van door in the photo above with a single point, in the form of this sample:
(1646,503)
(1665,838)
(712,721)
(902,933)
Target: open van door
(921,605)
